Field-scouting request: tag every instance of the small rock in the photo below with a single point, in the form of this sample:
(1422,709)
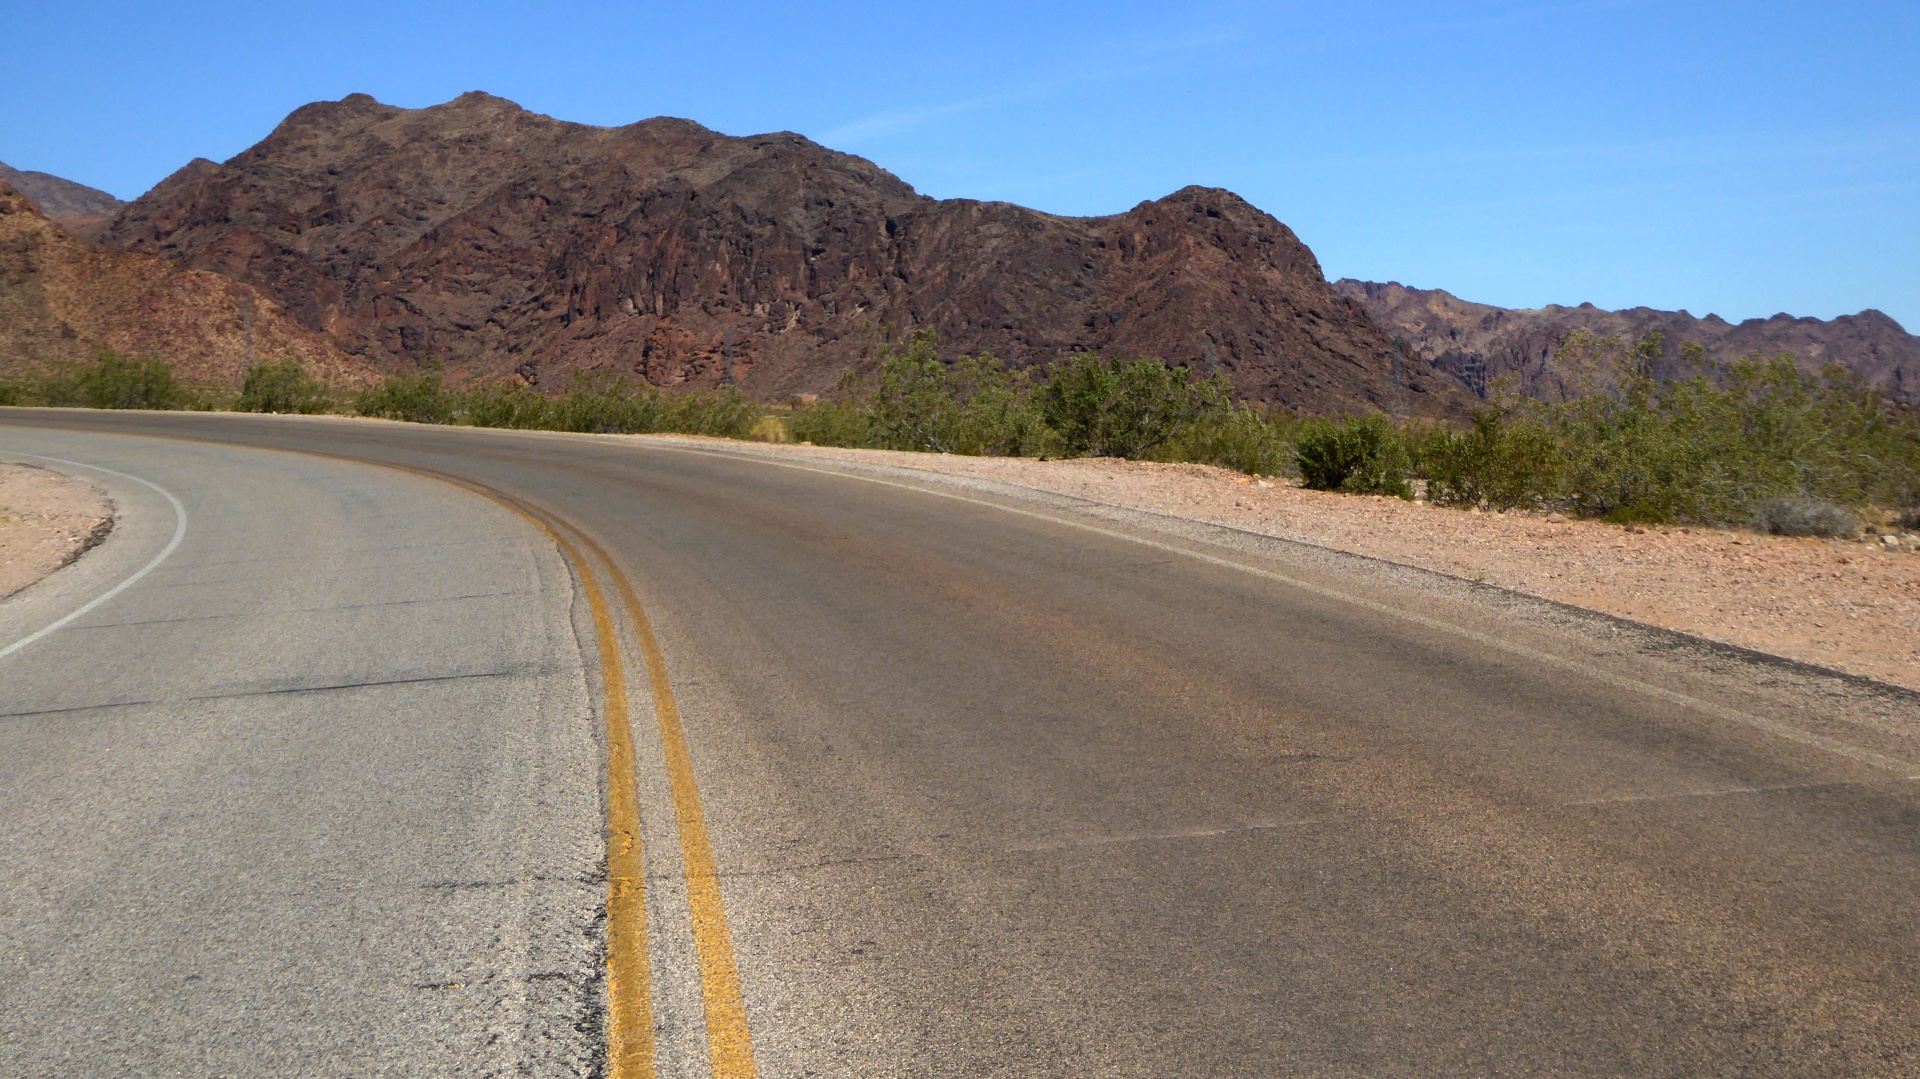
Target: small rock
(1262,483)
(1891,541)
(1556,518)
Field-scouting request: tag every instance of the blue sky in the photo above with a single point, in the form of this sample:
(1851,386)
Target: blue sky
(1738,158)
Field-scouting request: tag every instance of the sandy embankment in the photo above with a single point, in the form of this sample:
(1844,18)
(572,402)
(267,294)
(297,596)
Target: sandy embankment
(1850,606)
(46,521)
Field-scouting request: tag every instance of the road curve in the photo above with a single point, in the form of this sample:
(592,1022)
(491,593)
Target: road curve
(1014,788)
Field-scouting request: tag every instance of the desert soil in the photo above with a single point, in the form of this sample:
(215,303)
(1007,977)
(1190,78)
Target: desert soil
(46,521)
(1849,606)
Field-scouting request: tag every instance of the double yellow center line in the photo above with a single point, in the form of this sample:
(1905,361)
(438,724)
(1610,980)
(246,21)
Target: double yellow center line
(630,1048)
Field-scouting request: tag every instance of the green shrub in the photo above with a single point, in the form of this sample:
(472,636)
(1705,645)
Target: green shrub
(1356,454)
(1115,408)
(915,401)
(1502,461)
(1711,451)
(831,423)
(973,406)
(421,398)
(1239,438)
(281,386)
(722,413)
(613,408)
(116,381)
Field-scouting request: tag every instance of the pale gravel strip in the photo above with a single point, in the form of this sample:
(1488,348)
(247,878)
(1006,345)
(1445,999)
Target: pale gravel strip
(46,521)
(1846,606)
(173,544)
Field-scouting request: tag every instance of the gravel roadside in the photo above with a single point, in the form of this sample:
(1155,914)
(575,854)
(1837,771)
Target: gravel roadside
(1849,606)
(46,521)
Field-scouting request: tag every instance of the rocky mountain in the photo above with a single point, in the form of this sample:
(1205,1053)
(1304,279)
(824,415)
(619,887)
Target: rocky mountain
(61,299)
(1476,343)
(508,244)
(56,197)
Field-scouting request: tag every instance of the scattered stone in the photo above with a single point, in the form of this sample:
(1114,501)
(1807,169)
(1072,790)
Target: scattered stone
(1556,518)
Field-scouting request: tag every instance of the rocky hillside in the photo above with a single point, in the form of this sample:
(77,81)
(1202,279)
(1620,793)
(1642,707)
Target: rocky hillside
(507,244)
(56,197)
(1478,342)
(61,299)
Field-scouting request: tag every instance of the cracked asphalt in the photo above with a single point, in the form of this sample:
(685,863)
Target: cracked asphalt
(993,791)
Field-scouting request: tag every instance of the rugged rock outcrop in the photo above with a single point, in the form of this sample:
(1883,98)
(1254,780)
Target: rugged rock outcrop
(61,299)
(1477,343)
(503,243)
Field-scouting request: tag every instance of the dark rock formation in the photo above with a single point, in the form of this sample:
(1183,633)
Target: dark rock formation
(504,243)
(1477,343)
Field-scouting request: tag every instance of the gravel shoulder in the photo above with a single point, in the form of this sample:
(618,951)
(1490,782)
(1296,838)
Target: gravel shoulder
(1848,606)
(46,521)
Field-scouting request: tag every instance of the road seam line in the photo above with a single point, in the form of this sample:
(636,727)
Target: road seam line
(629,1002)
(729,1042)
(630,1045)
(179,533)
(1907,769)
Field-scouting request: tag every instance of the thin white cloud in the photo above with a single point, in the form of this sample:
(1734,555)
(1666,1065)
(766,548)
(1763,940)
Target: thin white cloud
(1139,55)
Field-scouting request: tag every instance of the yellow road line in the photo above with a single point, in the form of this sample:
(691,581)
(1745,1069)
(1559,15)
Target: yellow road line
(630,1052)
(630,1046)
(727,1037)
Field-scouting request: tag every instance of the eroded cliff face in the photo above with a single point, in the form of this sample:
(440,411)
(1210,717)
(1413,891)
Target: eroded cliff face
(62,299)
(1477,343)
(507,244)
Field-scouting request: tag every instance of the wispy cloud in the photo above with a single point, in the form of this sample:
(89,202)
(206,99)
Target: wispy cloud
(1133,57)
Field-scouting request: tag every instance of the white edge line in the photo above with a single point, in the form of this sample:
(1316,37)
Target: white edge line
(179,533)
(1777,729)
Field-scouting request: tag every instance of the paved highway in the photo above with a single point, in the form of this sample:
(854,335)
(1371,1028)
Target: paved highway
(927,778)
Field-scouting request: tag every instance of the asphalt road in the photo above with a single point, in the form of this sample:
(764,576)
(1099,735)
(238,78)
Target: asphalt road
(994,785)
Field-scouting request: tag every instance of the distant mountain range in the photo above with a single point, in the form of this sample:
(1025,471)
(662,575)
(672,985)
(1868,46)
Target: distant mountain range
(1476,343)
(56,197)
(508,244)
(503,244)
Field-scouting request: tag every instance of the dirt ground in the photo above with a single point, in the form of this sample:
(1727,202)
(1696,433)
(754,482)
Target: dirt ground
(1848,605)
(46,521)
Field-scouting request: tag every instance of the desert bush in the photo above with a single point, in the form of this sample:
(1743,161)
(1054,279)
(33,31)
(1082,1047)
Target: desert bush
(973,406)
(723,413)
(116,381)
(611,408)
(281,386)
(832,423)
(1356,454)
(1712,450)
(421,398)
(1124,408)
(1803,515)
(1504,460)
(1241,438)
(914,401)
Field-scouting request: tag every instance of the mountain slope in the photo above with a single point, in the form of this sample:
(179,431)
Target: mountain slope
(1479,342)
(56,197)
(503,242)
(61,299)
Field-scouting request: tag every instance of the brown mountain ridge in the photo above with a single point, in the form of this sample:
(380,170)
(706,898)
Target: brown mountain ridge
(1477,343)
(62,299)
(508,244)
